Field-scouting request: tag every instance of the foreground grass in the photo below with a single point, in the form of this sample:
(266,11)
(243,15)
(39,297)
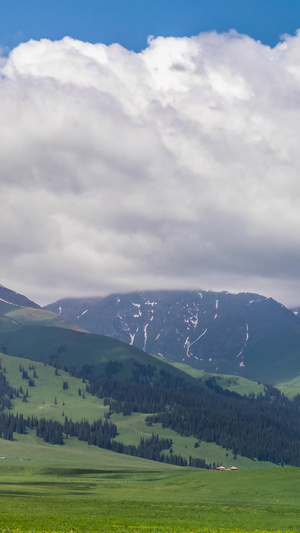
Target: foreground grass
(107,494)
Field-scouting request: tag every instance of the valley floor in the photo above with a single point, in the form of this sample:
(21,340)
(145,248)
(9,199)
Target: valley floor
(83,489)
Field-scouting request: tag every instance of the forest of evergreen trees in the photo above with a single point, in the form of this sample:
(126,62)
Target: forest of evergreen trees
(99,433)
(266,427)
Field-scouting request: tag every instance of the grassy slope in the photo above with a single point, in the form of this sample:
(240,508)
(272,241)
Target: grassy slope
(48,386)
(132,428)
(291,387)
(39,317)
(232,383)
(238,384)
(70,348)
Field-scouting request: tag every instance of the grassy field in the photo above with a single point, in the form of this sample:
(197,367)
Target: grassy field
(93,490)
(81,488)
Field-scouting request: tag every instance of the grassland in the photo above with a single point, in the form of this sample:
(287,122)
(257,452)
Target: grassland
(101,491)
(81,488)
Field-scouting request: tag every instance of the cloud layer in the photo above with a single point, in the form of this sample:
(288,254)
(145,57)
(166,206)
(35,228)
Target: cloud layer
(178,167)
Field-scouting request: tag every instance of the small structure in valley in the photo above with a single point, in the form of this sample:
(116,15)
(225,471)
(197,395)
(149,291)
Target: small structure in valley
(223,468)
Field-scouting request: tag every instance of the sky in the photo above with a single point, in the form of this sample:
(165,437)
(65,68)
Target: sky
(150,145)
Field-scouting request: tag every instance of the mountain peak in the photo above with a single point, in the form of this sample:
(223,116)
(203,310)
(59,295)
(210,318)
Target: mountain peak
(10,297)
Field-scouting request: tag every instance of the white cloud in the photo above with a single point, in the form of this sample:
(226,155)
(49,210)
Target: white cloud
(178,167)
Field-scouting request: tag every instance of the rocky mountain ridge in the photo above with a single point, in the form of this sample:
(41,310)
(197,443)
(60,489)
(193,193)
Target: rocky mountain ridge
(12,298)
(213,331)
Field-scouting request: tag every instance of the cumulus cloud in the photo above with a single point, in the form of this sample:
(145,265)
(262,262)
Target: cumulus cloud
(177,167)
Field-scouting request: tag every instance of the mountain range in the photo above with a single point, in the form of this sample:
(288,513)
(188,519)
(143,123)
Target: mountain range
(246,332)
(30,332)
(243,334)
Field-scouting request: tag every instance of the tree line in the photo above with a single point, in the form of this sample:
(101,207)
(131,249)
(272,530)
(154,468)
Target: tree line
(266,428)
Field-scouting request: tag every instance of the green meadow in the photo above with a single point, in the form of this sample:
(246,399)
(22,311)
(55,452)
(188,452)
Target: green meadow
(80,488)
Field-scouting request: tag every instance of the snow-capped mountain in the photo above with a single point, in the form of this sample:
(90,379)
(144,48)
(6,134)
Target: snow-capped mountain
(245,334)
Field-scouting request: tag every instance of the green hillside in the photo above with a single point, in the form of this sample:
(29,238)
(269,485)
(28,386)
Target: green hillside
(231,383)
(290,387)
(39,317)
(186,411)
(47,398)
(74,349)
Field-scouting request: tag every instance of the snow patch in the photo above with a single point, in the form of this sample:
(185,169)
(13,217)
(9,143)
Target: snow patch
(145,336)
(5,301)
(157,336)
(194,320)
(132,336)
(246,340)
(139,310)
(188,344)
(81,313)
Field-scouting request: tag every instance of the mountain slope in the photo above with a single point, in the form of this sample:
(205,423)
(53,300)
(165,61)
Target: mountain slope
(10,300)
(28,331)
(96,354)
(244,334)
(18,309)
(39,317)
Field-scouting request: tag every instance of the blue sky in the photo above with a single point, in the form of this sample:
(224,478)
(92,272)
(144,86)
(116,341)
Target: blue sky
(129,22)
